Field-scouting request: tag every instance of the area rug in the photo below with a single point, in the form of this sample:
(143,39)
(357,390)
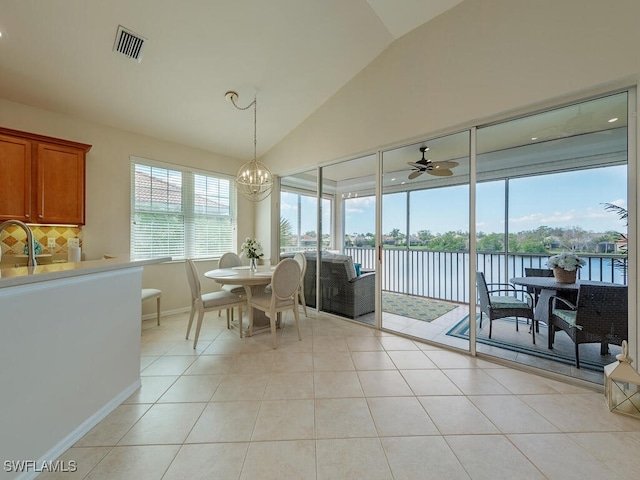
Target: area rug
(504,336)
(419,308)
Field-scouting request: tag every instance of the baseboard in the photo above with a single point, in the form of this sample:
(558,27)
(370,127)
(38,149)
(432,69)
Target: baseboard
(165,313)
(68,441)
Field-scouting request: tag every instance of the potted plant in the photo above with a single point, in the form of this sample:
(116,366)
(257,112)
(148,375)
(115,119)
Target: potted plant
(252,249)
(565,266)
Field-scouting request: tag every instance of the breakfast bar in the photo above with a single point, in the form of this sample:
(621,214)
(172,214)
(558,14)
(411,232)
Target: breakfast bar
(69,351)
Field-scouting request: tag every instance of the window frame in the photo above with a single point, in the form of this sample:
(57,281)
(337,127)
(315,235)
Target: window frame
(190,190)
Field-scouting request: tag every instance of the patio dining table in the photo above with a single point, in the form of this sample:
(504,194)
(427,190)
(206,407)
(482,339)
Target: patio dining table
(548,288)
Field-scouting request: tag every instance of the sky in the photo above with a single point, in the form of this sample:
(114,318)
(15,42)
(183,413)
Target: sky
(569,199)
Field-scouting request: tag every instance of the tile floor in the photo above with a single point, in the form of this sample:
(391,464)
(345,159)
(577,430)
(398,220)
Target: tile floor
(346,402)
(436,331)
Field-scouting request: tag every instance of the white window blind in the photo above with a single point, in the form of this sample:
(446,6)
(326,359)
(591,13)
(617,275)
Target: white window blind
(180,213)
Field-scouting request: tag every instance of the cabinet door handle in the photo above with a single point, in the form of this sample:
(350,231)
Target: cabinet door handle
(26,215)
(39,216)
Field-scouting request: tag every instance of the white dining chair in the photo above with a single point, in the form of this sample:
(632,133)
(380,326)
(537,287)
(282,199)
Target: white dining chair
(148,293)
(230,260)
(302,261)
(209,302)
(285,284)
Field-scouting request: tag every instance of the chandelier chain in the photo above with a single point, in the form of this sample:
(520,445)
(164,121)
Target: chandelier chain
(253,104)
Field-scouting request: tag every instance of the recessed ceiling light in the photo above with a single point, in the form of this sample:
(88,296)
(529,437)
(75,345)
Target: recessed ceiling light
(393,179)
(614,119)
(534,138)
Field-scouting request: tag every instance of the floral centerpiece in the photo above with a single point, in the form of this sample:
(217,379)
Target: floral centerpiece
(565,266)
(252,249)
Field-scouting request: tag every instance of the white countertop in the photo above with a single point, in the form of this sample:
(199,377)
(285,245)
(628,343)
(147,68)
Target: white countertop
(12,276)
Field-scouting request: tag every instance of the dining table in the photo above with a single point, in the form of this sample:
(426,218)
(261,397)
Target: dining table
(254,282)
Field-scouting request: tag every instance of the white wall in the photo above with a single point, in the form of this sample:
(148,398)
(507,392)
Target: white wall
(107,228)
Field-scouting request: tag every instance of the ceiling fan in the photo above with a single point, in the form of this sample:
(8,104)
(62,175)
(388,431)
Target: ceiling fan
(439,169)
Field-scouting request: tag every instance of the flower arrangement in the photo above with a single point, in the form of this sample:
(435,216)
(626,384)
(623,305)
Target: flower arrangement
(251,248)
(566,261)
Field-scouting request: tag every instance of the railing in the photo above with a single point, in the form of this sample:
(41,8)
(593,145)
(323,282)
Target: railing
(445,275)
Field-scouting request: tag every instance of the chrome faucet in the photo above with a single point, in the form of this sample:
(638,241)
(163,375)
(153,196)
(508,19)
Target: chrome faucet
(31,260)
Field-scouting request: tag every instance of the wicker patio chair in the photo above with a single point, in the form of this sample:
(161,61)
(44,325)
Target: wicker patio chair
(495,306)
(535,292)
(600,316)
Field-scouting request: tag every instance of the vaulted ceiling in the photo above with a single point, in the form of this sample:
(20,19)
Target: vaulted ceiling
(293,54)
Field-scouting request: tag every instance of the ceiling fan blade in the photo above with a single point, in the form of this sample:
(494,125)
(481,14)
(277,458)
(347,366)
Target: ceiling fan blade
(445,164)
(415,174)
(440,172)
(419,166)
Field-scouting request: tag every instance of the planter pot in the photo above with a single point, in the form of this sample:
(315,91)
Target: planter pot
(563,276)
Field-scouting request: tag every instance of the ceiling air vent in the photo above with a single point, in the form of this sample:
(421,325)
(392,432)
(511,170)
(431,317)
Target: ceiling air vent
(129,44)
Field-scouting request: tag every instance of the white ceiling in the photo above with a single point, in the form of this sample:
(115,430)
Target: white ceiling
(294,54)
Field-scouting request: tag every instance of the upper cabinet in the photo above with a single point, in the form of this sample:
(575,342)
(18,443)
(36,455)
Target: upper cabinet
(42,178)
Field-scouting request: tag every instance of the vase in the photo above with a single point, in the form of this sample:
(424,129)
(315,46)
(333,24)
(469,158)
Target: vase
(563,276)
(253,264)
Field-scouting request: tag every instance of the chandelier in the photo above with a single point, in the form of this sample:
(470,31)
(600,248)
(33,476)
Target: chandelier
(254,180)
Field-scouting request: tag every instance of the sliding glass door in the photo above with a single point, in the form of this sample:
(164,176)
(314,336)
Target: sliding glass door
(550,183)
(425,240)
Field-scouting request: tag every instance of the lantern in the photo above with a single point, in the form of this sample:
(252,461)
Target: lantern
(622,385)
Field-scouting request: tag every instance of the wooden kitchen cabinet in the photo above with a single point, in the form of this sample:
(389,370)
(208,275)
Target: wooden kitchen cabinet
(42,179)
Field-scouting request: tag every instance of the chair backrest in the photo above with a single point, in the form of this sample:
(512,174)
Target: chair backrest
(602,310)
(286,278)
(538,272)
(194,282)
(483,291)
(302,261)
(229,260)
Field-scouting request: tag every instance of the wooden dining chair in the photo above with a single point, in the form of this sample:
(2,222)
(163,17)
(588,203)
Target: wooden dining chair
(230,260)
(302,261)
(285,285)
(209,302)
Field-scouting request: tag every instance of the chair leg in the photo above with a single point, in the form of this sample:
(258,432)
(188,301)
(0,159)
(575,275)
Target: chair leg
(577,356)
(158,311)
(240,319)
(193,311)
(490,325)
(304,302)
(517,324)
(296,316)
(272,321)
(228,319)
(533,330)
(199,324)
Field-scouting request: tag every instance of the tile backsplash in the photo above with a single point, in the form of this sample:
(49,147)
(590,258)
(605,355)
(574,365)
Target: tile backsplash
(13,238)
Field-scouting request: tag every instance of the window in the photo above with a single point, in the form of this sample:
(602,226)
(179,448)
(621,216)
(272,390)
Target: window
(180,213)
(298,221)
